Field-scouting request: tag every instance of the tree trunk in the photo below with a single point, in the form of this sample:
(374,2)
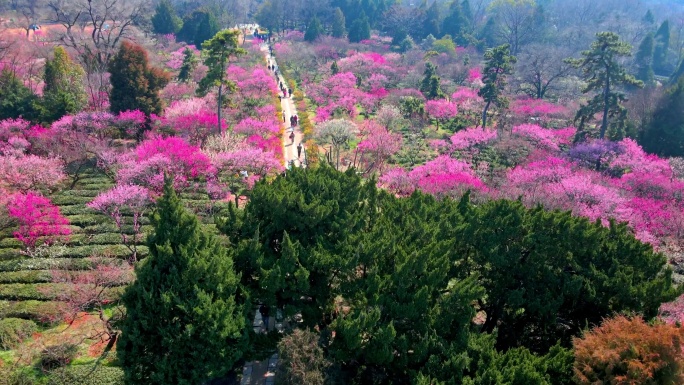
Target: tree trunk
(219,108)
(484,115)
(606,94)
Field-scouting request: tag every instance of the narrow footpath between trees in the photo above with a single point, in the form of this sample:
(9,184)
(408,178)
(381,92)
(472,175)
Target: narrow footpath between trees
(290,153)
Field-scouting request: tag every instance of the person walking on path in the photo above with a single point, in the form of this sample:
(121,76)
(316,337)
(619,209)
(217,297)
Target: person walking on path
(299,150)
(289,91)
(292,136)
(263,309)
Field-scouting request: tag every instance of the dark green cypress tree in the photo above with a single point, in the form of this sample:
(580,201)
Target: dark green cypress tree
(455,24)
(644,61)
(498,65)
(16,100)
(334,68)
(661,49)
(339,29)
(185,322)
(314,30)
(165,19)
(430,86)
(431,22)
(189,64)
(135,85)
(665,135)
(360,29)
(206,29)
(488,33)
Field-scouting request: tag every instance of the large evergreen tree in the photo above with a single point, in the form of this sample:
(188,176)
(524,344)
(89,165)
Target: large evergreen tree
(498,64)
(604,75)
(135,85)
(430,85)
(360,29)
(339,29)
(661,49)
(665,135)
(185,322)
(16,100)
(217,52)
(64,91)
(644,61)
(431,21)
(198,27)
(165,20)
(456,24)
(189,64)
(314,30)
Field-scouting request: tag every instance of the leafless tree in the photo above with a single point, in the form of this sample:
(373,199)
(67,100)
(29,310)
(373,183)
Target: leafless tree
(518,22)
(103,24)
(540,67)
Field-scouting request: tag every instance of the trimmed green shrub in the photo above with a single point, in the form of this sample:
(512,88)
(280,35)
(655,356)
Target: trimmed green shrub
(30,276)
(86,375)
(39,311)
(45,264)
(14,331)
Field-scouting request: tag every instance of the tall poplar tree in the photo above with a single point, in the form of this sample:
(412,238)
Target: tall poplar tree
(604,75)
(339,29)
(217,52)
(185,323)
(498,64)
(64,92)
(135,84)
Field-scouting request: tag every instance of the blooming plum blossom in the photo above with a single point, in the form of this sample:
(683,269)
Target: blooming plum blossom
(378,144)
(30,172)
(543,138)
(147,164)
(470,137)
(39,220)
(122,199)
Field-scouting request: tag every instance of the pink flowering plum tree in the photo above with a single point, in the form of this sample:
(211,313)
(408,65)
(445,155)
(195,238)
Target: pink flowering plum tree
(40,222)
(237,171)
(126,205)
(377,145)
(147,164)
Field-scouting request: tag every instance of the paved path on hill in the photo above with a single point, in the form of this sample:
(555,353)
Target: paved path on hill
(289,109)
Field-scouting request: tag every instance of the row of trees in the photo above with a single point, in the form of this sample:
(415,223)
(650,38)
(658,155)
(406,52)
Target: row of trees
(410,290)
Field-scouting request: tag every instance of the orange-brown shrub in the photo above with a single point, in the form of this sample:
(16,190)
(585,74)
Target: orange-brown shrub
(628,351)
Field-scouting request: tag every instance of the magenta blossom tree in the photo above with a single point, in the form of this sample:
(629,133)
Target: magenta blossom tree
(377,145)
(440,110)
(147,164)
(39,220)
(126,205)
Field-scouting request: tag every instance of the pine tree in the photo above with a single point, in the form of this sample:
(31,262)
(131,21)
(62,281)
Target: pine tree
(488,33)
(360,29)
(64,92)
(644,61)
(314,30)
(603,74)
(498,64)
(217,52)
(185,322)
(206,29)
(16,100)
(430,86)
(165,20)
(135,85)
(189,64)
(334,68)
(649,19)
(339,29)
(662,47)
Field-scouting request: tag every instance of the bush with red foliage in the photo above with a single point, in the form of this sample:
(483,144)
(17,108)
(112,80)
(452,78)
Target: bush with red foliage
(629,351)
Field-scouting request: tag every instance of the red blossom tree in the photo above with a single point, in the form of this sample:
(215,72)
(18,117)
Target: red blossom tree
(39,220)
